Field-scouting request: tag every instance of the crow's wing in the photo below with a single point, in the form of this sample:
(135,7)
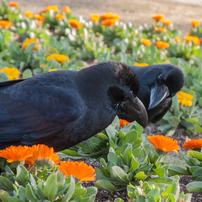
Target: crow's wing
(38,107)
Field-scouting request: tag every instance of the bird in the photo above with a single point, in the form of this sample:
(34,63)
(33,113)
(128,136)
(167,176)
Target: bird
(158,84)
(63,108)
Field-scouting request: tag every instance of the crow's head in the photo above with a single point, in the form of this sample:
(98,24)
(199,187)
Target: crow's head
(123,94)
(158,82)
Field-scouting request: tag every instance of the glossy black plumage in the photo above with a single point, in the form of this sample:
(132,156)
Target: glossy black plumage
(63,108)
(158,84)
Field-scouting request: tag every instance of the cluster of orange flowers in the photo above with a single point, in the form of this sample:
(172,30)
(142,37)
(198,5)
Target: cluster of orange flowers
(41,153)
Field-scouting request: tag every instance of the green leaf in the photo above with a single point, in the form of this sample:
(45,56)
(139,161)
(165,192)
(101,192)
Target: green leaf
(21,194)
(194,187)
(176,170)
(79,192)
(133,164)
(29,48)
(22,176)
(104,184)
(5,184)
(51,50)
(70,190)
(90,195)
(30,194)
(128,138)
(4,195)
(195,154)
(140,175)
(118,200)
(3,76)
(118,173)
(160,172)
(14,199)
(51,187)
(154,194)
(111,132)
(26,74)
(164,180)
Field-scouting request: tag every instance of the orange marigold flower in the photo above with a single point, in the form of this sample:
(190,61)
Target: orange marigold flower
(42,12)
(80,170)
(195,23)
(123,123)
(59,16)
(166,22)
(159,29)
(39,23)
(16,153)
(42,152)
(66,9)
(54,8)
(177,39)
(162,44)
(75,23)
(163,143)
(146,42)
(194,39)
(108,22)
(5,23)
(95,18)
(158,17)
(109,16)
(185,99)
(141,64)
(58,57)
(28,14)
(39,17)
(11,72)
(193,144)
(28,41)
(13,4)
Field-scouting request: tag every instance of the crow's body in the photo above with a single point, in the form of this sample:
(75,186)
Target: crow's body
(63,108)
(158,84)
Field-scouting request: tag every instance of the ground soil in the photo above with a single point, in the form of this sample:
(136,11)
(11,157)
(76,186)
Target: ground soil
(138,12)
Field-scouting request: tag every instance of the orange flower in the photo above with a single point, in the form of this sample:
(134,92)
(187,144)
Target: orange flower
(201,39)
(42,12)
(146,42)
(58,57)
(42,153)
(5,23)
(177,39)
(141,64)
(195,23)
(39,17)
(166,22)
(162,44)
(75,23)
(28,14)
(54,8)
(193,144)
(159,29)
(59,16)
(109,16)
(28,41)
(16,153)
(11,72)
(123,123)
(108,22)
(66,9)
(13,4)
(184,98)
(95,18)
(194,39)
(158,17)
(80,170)
(188,33)
(163,143)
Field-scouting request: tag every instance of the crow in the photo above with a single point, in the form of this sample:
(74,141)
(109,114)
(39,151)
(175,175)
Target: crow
(158,84)
(62,108)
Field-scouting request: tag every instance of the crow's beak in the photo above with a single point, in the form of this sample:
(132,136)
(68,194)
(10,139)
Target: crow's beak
(158,93)
(135,108)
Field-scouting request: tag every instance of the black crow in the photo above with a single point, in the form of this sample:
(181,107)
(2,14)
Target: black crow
(63,108)
(158,84)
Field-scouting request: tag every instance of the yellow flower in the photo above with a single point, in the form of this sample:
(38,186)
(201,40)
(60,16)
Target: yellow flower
(95,18)
(177,39)
(195,23)
(51,70)
(194,39)
(42,153)
(28,41)
(58,16)
(28,14)
(12,73)
(193,144)
(16,153)
(146,42)
(58,57)
(141,64)
(185,99)
(43,65)
(54,8)
(80,170)
(165,144)
(66,9)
